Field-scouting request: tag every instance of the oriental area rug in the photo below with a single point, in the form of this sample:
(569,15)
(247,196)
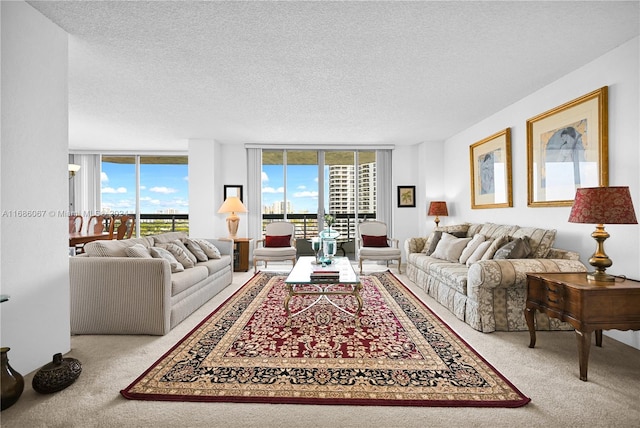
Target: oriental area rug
(401,354)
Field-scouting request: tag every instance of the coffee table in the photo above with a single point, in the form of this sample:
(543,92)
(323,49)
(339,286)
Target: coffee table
(301,275)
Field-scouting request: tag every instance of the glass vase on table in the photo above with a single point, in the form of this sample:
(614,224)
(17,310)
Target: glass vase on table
(316,245)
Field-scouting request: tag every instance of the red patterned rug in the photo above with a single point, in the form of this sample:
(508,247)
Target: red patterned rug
(401,355)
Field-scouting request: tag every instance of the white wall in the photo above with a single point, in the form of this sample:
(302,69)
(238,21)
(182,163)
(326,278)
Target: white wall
(619,71)
(34,261)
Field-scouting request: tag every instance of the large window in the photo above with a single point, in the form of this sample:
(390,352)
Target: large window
(155,188)
(303,185)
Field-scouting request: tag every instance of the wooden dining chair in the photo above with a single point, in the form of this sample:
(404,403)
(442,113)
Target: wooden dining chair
(126,224)
(75,223)
(99,224)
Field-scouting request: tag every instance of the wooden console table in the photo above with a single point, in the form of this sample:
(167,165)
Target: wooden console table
(587,305)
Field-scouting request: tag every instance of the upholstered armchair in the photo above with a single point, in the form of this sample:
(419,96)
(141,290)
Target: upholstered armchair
(278,244)
(373,243)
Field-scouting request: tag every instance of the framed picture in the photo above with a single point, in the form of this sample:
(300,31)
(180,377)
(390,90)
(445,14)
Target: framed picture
(233,190)
(406,196)
(567,148)
(491,171)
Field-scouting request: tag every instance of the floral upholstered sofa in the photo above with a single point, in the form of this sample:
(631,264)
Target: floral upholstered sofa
(478,271)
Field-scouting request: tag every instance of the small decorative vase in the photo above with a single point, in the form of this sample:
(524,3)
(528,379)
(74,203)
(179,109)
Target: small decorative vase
(57,375)
(12,382)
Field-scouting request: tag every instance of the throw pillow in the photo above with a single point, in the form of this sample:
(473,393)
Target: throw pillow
(210,250)
(277,241)
(457,230)
(517,249)
(471,247)
(195,250)
(497,243)
(479,252)
(449,248)
(541,240)
(161,253)
(432,242)
(179,253)
(189,254)
(374,241)
(139,251)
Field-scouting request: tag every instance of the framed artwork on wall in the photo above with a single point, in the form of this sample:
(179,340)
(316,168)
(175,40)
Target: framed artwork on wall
(491,183)
(233,190)
(406,196)
(567,148)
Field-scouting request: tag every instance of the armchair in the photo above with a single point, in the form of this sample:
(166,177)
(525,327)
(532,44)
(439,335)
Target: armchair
(279,244)
(373,243)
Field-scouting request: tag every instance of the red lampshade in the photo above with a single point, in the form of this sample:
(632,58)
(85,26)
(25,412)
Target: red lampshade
(603,205)
(438,208)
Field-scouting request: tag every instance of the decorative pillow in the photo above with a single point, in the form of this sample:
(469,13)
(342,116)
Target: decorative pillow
(449,248)
(541,240)
(517,249)
(492,230)
(457,230)
(471,247)
(209,249)
(432,242)
(179,253)
(374,241)
(138,250)
(161,253)
(497,243)
(195,250)
(416,245)
(479,252)
(277,241)
(189,254)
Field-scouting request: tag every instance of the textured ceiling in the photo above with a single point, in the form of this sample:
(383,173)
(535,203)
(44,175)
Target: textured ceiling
(150,75)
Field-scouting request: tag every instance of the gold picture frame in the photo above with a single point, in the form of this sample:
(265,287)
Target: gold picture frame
(567,148)
(491,182)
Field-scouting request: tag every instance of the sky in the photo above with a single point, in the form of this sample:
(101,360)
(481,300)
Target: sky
(302,186)
(162,188)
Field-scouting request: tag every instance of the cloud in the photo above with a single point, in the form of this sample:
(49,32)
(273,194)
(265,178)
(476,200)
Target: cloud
(305,194)
(265,177)
(112,190)
(163,190)
(272,190)
(104,177)
(302,187)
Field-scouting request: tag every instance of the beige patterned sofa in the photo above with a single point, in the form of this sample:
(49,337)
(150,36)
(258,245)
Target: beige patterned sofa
(132,287)
(488,294)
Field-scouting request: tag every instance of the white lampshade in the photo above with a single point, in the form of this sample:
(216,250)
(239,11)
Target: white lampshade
(73,168)
(232,204)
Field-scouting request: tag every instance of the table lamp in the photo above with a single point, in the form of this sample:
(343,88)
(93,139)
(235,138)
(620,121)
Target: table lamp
(600,206)
(232,205)
(438,208)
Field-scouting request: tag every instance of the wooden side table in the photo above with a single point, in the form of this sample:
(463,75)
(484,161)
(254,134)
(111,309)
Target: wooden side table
(587,305)
(241,249)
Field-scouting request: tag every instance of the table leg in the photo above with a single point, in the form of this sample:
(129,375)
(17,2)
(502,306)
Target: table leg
(599,338)
(356,292)
(286,304)
(584,346)
(529,314)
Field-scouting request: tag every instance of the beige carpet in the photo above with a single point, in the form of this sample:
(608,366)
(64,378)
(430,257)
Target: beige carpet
(547,374)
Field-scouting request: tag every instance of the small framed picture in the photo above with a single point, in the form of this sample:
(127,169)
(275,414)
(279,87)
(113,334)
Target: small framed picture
(406,196)
(233,190)
(491,171)
(567,148)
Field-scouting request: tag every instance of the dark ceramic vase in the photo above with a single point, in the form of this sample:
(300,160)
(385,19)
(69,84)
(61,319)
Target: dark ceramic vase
(12,381)
(57,375)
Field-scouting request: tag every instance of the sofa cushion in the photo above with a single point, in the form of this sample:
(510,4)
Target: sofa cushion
(450,248)
(163,238)
(541,240)
(189,254)
(477,239)
(457,230)
(432,242)
(139,251)
(195,249)
(114,248)
(497,243)
(375,241)
(210,250)
(179,253)
(452,274)
(186,279)
(492,230)
(479,252)
(518,248)
(216,265)
(161,253)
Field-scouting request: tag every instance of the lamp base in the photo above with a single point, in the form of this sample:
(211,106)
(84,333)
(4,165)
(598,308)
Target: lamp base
(600,277)
(232,225)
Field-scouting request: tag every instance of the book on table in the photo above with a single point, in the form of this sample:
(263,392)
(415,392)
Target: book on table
(322,275)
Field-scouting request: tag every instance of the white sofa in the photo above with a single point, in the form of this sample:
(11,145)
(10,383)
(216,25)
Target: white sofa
(113,293)
(489,294)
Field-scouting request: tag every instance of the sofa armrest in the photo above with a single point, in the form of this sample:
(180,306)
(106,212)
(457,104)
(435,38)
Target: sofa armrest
(557,253)
(119,295)
(414,245)
(224,245)
(505,273)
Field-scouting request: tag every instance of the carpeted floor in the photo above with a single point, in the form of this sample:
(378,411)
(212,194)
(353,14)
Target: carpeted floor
(401,354)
